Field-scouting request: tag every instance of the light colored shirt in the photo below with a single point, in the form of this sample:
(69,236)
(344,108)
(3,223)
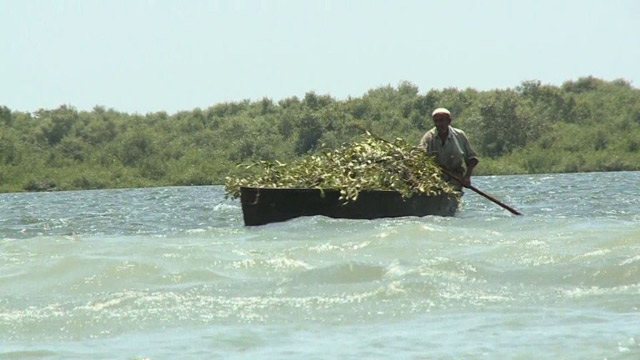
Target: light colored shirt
(453,154)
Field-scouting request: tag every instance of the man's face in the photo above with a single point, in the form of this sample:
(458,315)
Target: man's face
(442,121)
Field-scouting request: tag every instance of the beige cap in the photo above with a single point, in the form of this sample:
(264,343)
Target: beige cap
(440,111)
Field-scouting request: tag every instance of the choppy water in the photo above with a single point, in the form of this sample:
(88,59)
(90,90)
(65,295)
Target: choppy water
(170,273)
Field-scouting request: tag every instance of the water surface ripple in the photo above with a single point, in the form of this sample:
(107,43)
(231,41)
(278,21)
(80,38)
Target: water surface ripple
(173,273)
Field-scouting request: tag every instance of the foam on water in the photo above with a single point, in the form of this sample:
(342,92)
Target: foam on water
(162,273)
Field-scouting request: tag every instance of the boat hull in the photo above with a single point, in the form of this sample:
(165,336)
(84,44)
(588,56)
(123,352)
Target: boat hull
(267,205)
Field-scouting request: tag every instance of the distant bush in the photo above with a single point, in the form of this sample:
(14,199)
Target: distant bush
(86,183)
(43,185)
(584,125)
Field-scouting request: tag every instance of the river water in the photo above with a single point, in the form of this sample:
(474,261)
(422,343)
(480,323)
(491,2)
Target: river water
(172,273)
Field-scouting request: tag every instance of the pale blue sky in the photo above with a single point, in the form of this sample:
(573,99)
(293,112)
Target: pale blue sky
(152,55)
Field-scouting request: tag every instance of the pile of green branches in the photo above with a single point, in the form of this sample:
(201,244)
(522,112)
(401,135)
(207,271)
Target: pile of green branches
(370,164)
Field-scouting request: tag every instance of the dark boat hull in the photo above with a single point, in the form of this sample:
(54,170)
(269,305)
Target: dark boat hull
(266,205)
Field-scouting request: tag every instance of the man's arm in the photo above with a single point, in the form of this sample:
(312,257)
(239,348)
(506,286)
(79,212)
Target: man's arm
(470,160)
(471,163)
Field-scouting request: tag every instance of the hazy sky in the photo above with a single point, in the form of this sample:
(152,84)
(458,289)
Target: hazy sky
(151,55)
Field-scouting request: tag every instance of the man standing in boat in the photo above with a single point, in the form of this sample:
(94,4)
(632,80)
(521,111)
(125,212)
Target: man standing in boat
(450,147)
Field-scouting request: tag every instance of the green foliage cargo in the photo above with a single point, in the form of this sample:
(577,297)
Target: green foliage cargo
(364,180)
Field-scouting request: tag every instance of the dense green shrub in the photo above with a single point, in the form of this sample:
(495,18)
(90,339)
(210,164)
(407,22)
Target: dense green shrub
(584,125)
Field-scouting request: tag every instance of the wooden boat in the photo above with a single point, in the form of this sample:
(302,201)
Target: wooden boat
(267,205)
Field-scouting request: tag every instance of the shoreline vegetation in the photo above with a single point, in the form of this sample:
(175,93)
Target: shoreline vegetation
(581,126)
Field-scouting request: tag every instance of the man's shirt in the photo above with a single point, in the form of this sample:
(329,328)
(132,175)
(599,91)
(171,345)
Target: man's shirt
(455,151)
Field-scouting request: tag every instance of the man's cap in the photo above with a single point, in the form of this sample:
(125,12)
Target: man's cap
(440,111)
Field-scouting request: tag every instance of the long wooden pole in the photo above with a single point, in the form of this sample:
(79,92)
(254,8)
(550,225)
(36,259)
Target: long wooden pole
(457,178)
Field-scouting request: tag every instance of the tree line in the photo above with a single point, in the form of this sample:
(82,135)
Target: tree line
(584,125)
